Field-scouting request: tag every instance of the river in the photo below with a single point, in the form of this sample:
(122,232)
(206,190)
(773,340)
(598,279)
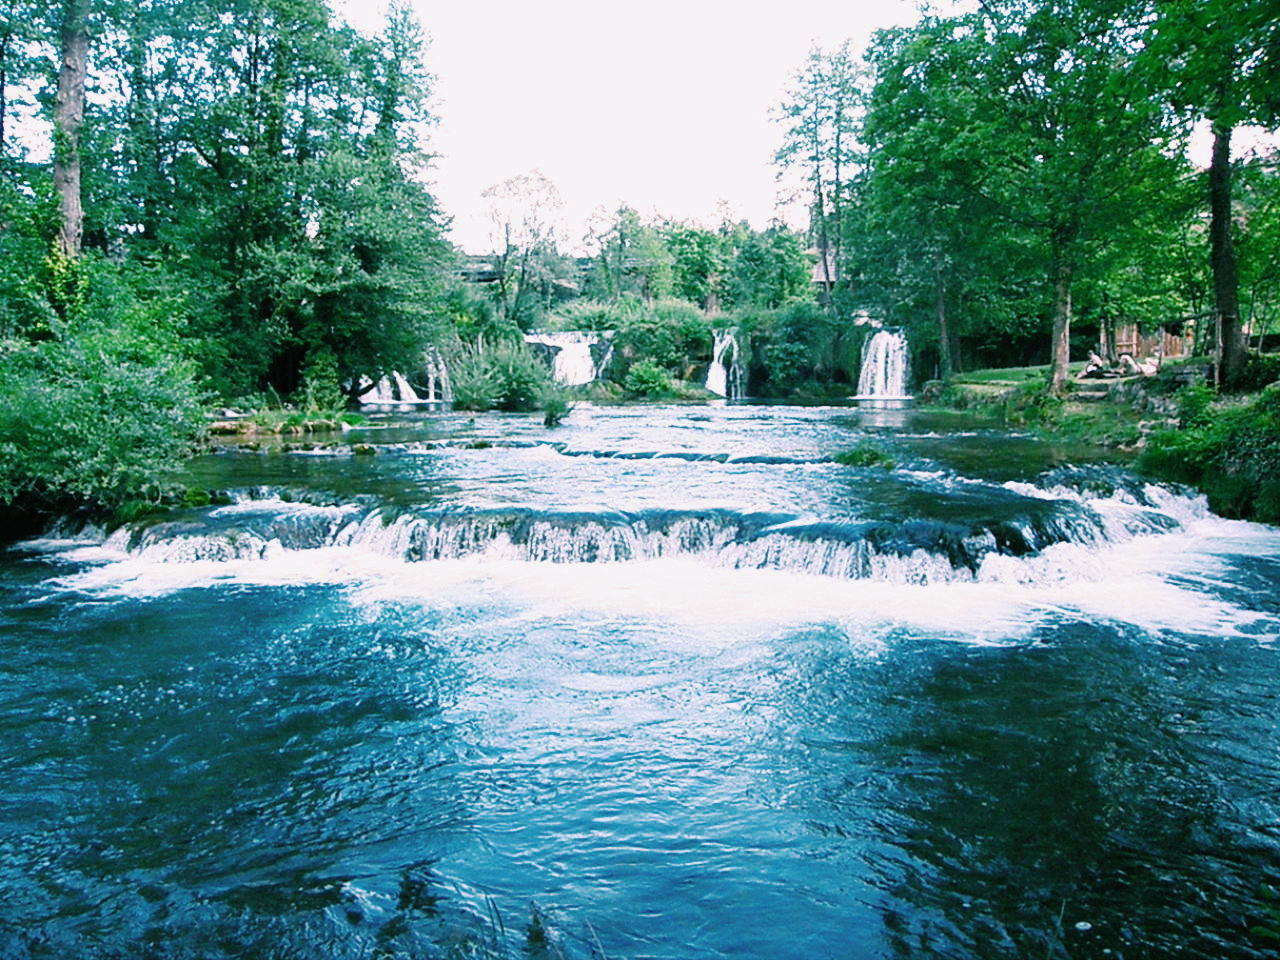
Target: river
(668,682)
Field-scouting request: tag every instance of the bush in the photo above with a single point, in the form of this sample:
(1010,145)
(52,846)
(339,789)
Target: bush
(321,391)
(100,410)
(1259,369)
(1232,454)
(671,334)
(1031,403)
(504,375)
(801,343)
(555,407)
(648,381)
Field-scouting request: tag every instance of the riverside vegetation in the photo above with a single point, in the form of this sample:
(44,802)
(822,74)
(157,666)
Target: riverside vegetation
(1004,185)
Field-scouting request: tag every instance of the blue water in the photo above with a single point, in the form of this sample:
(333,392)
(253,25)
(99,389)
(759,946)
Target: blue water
(335,751)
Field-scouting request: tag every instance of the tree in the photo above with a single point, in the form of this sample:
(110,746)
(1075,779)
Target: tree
(699,259)
(523,210)
(632,257)
(68,118)
(270,158)
(1039,123)
(1218,61)
(822,114)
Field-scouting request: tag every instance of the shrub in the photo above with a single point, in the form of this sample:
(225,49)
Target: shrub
(648,381)
(671,334)
(555,407)
(504,375)
(321,391)
(1259,369)
(1232,454)
(101,409)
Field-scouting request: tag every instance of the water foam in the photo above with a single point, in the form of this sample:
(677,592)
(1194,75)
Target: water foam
(733,577)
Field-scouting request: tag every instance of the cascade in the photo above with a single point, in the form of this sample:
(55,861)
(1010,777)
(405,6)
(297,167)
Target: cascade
(392,388)
(574,363)
(1057,532)
(726,379)
(885,367)
(439,388)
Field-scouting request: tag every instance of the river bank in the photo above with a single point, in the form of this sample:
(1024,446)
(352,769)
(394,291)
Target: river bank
(1172,427)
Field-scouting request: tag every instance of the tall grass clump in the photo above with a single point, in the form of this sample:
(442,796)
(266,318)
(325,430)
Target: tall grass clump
(505,375)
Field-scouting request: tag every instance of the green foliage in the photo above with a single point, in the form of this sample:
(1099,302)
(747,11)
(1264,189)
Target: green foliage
(699,260)
(648,381)
(1195,402)
(799,345)
(555,407)
(865,455)
(1232,453)
(321,390)
(1033,402)
(102,409)
(670,334)
(1259,370)
(279,183)
(503,375)
(767,269)
(632,259)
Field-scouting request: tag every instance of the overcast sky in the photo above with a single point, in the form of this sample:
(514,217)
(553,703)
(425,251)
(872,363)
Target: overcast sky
(665,105)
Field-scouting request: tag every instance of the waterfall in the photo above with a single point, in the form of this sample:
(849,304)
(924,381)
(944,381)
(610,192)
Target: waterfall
(726,376)
(439,389)
(574,363)
(885,367)
(391,389)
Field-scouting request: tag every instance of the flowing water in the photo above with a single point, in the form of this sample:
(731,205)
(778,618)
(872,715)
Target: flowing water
(669,679)
(726,376)
(886,367)
(574,362)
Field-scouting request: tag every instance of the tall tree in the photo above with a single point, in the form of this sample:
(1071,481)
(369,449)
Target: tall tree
(67,120)
(523,211)
(1036,105)
(1220,62)
(821,116)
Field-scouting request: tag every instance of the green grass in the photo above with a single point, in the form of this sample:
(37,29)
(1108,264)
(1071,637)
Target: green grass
(1010,375)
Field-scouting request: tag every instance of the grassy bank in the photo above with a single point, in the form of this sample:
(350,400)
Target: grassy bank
(1227,446)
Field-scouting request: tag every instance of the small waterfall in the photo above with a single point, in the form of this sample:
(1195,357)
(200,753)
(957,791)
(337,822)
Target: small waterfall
(390,390)
(574,363)
(439,389)
(726,376)
(885,367)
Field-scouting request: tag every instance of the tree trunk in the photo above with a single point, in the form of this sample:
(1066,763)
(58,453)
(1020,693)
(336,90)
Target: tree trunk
(67,119)
(4,94)
(944,334)
(1222,258)
(1060,358)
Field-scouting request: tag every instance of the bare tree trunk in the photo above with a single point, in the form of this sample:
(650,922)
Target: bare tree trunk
(944,334)
(1060,350)
(1222,258)
(4,93)
(67,120)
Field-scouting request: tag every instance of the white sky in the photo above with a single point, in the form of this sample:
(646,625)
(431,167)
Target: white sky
(665,105)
